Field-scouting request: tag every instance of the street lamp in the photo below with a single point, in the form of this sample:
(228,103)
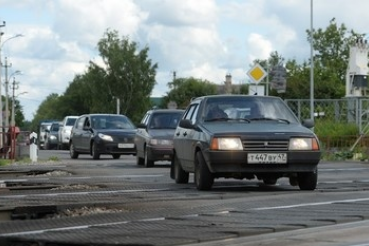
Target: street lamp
(312,63)
(1,103)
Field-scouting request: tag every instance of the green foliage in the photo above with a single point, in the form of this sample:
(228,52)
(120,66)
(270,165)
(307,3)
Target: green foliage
(54,158)
(184,89)
(324,128)
(4,162)
(127,76)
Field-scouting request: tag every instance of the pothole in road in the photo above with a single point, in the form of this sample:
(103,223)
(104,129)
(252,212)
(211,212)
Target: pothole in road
(49,173)
(52,212)
(85,210)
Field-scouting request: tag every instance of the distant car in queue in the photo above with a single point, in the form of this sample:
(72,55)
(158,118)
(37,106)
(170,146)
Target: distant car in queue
(154,136)
(102,134)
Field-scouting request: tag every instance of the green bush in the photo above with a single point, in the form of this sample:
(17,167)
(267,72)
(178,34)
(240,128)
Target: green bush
(325,128)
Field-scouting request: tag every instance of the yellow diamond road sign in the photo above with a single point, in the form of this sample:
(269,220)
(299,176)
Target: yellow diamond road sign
(257,73)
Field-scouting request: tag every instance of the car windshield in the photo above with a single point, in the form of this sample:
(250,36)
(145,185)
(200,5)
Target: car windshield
(251,108)
(168,120)
(111,122)
(70,121)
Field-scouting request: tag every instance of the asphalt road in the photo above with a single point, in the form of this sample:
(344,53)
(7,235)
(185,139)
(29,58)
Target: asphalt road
(116,202)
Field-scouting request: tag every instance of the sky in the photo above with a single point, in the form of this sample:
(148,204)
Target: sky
(46,43)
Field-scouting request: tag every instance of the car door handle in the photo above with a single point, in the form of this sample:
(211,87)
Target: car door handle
(177,134)
(185,134)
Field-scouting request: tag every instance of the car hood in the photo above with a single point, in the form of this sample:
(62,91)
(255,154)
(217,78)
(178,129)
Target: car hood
(116,131)
(255,127)
(159,133)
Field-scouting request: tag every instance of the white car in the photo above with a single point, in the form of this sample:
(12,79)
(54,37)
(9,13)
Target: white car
(64,131)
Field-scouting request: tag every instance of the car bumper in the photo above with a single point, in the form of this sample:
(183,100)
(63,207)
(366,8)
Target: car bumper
(158,153)
(113,148)
(65,140)
(228,162)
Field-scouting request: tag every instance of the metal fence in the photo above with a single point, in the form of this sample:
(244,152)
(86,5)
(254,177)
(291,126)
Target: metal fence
(353,110)
(345,110)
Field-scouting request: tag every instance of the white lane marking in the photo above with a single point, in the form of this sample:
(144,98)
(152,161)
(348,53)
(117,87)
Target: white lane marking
(163,218)
(313,204)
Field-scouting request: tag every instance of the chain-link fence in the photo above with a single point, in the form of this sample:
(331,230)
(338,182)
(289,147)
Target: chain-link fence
(345,110)
(353,110)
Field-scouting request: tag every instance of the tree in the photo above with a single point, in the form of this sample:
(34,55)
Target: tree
(182,90)
(331,56)
(129,74)
(46,111)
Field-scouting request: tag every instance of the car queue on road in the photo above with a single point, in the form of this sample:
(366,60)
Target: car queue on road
(217,136)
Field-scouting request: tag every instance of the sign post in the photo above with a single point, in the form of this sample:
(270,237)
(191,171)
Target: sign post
(257,74)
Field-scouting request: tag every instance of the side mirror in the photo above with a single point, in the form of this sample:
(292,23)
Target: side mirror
(141,125)
(308,123)
(186,124)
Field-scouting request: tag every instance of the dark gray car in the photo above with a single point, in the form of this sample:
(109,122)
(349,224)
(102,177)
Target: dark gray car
(244,137)
(154,137)
(51,140)
(97,134)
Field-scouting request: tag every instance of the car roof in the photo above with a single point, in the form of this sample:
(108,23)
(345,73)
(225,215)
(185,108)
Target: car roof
(232,95)
(166,110)
(101,114)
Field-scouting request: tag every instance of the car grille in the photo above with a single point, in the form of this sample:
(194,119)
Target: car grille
(124,139)
(277,145)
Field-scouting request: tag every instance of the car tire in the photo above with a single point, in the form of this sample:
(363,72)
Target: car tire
(293,181)
(204,179)
(72,151)
(95,154)
(308,180)
(180,176)
(147,161)
(270,181)
(139,161)
(116,156)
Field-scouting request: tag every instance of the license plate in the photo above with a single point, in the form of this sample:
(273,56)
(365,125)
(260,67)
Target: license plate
(268,158)
(125,145)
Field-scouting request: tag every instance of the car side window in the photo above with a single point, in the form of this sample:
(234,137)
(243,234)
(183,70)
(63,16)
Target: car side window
(87,123)
(145,119)
(191,113)
(80,123)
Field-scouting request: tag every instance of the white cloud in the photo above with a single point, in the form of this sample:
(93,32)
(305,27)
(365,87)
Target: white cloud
(206,39)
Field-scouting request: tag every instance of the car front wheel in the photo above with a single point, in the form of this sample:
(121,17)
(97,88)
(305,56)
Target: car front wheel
(116,156)
(308,180)
(180,176)
(148,162)
(204,180)
(95,154)
(72,151)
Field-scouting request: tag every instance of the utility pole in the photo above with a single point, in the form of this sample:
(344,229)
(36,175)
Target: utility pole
(1,103)
(14,87)
(6,122)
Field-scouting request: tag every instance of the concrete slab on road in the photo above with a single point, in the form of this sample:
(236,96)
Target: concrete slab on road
(348,234)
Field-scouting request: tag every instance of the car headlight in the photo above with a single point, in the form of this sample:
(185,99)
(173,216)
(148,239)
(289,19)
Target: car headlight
(105,137)
(303,144)
(226,144)
(155,141)
(52,137)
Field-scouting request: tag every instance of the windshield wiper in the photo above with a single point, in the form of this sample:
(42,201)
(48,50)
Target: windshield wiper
(268,118)
(218,119)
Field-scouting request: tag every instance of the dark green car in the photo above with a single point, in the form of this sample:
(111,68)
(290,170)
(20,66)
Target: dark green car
(244,137)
